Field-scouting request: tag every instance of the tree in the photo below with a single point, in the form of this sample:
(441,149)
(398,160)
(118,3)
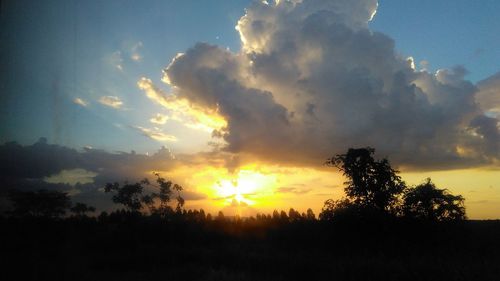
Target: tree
(310,215)
(335,209)
(130,196)
(426,202)
(220,216)
(41,203)
(371,184)
(294,215)
(81,209)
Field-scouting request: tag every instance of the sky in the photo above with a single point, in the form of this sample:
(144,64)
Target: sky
(241,102)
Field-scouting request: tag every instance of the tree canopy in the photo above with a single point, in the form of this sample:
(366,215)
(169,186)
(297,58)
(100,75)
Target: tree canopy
(373,187)
(131,195)
(427,202)
(371,183)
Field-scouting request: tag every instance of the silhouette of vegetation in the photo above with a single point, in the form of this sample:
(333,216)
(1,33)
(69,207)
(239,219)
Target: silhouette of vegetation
(81,209)
(39,204)
(374,191)
(132,198)
(338,209)
(426,202)
(371,184)
(424,235)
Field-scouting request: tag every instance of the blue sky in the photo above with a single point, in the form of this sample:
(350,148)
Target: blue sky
(54,51)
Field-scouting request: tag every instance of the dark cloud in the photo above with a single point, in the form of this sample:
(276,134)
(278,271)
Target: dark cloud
(312,80)
(34,167)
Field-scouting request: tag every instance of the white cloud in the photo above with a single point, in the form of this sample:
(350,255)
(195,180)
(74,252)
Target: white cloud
(116,60)
(155,134)
(111,101)
(182,110)
(135,54)
(81,102)
(159,119)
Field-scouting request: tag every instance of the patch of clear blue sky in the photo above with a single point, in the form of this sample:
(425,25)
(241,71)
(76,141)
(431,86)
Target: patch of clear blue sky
(445,32)
(55,50)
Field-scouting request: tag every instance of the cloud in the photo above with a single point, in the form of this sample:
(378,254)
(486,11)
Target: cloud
(159,119)
(135,54)
(488,96)
(83,173)
(111,101)
(155,134)
(80,102)
(311,80)
(72,177)
(42,160)
(116,60)
(293,190)
(182,110)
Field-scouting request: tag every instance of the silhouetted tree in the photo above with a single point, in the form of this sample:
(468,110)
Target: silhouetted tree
(276,215)
(310,214)
(371,184)
(166,189)
(293,215)
(130,196)
(41,203)
(283,216)
(427,202)
(81,209)
(220,216)
(202,217)
(338,209)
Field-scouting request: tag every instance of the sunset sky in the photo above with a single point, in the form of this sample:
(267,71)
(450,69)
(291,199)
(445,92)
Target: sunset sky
(241,102)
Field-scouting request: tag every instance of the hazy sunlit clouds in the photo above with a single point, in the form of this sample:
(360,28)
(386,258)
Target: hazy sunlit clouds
(111,101)
(155,133)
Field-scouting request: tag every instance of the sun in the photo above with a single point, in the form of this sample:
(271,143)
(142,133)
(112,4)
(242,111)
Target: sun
(245,186)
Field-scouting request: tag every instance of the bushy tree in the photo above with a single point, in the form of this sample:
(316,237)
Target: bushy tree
(128,195)
(338,209)
(131,196)
(81,209)
(371,183)
(427,202)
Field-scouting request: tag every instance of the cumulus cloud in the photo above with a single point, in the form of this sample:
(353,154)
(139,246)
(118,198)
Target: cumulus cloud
(155,134)
(488,96)
(111,101)
(312,80)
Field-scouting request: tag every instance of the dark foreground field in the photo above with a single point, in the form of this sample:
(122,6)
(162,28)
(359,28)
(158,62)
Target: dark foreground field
(149,249)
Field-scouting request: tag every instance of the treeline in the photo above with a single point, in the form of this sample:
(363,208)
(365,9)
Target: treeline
(373,191)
